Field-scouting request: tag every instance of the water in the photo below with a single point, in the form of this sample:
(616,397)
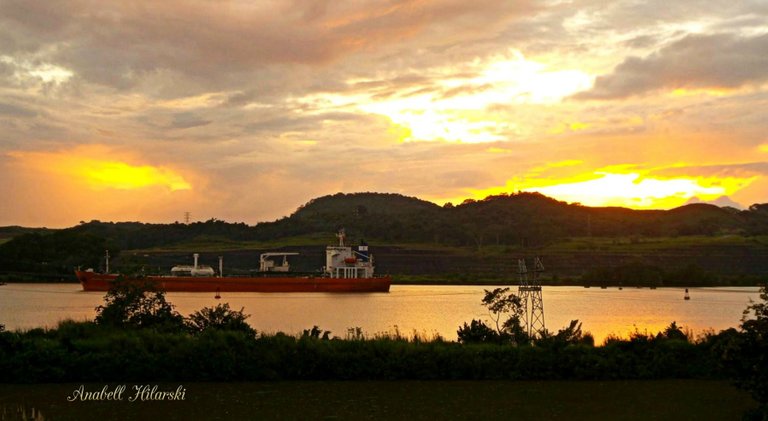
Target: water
(409,309)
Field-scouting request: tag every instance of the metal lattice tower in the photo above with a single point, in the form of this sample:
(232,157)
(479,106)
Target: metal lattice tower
(530,297)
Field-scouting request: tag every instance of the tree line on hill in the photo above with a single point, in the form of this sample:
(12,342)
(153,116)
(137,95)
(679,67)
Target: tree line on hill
(519,220)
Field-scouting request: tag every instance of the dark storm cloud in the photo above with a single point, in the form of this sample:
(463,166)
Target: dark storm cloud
(16,111)
(188,120)
(280,122)
(119,43)
(696,61)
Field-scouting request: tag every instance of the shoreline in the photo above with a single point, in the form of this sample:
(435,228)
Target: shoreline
(441,281)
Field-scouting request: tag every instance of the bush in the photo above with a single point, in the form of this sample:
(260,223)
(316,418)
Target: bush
(477,332)
(220,317)
(138,304)
(747,355)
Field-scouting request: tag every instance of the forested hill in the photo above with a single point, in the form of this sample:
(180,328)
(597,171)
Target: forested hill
(531,218)
(522,219)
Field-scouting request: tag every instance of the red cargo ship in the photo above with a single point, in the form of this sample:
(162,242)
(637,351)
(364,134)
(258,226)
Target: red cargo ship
(346,270)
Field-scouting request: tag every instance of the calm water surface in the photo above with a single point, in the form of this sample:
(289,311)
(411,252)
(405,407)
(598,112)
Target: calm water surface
(426,310)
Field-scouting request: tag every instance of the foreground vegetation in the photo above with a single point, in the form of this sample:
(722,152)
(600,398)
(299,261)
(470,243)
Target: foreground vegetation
(86,352)
(137,336)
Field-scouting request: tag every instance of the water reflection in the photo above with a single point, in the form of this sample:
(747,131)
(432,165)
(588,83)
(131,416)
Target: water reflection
(426,310)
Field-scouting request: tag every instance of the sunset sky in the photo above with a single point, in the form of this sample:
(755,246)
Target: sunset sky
(245,110)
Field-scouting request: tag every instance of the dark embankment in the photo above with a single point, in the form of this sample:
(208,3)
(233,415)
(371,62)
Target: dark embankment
(417,400)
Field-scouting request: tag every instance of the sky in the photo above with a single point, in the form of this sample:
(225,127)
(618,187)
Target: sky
(245,110)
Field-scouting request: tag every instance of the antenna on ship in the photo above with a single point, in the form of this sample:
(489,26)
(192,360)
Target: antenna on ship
(341,236)
(530,296)
(106,258)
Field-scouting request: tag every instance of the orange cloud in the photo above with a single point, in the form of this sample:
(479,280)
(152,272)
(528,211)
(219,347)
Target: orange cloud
(98,168)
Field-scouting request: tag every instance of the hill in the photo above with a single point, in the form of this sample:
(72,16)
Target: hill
(475,238)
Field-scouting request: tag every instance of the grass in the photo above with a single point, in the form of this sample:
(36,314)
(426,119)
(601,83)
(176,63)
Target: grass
(650,244)
(572,400)
(568,245)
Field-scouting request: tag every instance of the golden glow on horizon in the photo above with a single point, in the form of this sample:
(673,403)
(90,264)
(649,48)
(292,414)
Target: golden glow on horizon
(89,165)
(631,190)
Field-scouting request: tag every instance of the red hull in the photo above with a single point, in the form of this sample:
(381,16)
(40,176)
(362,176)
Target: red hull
(92,281)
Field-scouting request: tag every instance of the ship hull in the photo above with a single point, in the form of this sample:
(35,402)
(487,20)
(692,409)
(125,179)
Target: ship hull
(92,281)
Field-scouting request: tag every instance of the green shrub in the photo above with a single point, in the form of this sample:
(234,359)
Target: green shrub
(220,317)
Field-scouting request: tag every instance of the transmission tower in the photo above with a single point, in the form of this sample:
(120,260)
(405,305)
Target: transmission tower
(530,296)
(186,217)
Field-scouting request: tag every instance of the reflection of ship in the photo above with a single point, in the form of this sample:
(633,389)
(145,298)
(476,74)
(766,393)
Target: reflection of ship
(347,269)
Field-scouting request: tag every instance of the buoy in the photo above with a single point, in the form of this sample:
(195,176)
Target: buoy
(686,297)
(218,295)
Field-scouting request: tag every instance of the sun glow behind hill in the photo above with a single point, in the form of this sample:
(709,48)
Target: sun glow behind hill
(630,190)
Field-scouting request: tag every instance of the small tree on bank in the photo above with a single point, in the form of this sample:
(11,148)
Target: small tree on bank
(137,304)
(220,317)
(505,309)
(749,356)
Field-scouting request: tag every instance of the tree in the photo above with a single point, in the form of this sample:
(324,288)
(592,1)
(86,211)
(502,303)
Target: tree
(220,317)
(749,358)
(504,308)
(137,303)
(673,332)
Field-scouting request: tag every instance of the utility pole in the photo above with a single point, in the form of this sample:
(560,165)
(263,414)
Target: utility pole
(530,296)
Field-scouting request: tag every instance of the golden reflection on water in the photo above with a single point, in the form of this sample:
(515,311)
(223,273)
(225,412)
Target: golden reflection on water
(409,309)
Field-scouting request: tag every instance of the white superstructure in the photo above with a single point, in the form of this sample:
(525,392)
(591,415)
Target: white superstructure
(266,264)
(343,261)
